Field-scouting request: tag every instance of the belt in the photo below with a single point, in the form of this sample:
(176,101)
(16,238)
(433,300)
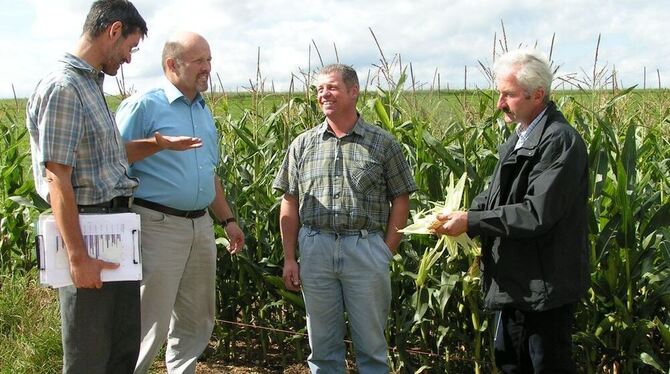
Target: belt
(342,232)
(171,211)
(119,204)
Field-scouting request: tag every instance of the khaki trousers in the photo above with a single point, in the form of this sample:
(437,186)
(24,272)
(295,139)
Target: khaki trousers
(177,290)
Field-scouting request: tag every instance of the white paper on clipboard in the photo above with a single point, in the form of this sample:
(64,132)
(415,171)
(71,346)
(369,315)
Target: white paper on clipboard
(108,237)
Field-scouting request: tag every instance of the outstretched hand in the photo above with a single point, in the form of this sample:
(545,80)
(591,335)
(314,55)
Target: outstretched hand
(177,143)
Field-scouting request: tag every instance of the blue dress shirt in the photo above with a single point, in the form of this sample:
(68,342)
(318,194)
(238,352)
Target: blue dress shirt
(178,179)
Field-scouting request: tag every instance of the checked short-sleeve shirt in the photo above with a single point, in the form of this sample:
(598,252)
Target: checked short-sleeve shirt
(345,184)
(70,124)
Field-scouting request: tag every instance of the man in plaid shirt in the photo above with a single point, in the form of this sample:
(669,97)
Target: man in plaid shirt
(346,188)
(80,166)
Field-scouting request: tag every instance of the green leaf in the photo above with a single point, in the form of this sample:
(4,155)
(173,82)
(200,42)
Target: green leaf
(660,219)
(629,157)
(651,361)
(382,114)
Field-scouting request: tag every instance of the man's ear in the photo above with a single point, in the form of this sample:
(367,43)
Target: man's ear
(115,30)
(355,90)
(538,95)
(170,64)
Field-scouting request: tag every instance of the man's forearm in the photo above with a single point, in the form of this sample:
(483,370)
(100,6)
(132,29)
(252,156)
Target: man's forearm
(64,208)
(397,220)
(220,205)
(289,225)
(141,148)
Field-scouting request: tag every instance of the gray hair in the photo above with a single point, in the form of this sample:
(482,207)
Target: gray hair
(349,76)
(530,68)
(171,49)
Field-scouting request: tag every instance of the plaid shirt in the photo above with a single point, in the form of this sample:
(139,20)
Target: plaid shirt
(345,184)
(70,124)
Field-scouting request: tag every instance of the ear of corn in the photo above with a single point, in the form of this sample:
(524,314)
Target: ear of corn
(424,222)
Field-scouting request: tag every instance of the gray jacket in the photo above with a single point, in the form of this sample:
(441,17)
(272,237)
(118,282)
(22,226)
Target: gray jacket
(532,220)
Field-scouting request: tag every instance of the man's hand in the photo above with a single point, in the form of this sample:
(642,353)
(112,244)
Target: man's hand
(85,272)
(235,237)
(291,275)
(453,224)
(177,143)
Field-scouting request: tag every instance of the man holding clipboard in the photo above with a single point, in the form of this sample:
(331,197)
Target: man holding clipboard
(80,165)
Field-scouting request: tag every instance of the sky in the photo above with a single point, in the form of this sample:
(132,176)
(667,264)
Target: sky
(280,39)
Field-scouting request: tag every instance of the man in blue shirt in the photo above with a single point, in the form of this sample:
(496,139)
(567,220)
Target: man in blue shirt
(178,248)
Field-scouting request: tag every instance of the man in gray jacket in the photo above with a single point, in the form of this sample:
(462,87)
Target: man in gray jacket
(532,223)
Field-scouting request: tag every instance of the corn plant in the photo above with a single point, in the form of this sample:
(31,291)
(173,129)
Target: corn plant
(425,222)
(622,323)
(17,192)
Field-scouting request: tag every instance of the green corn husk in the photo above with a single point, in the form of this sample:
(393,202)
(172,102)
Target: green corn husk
(424,220)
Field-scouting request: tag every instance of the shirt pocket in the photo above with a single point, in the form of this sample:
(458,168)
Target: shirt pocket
(366,175)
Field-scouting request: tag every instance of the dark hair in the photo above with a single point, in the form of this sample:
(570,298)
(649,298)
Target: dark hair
(105,12)
(349,76)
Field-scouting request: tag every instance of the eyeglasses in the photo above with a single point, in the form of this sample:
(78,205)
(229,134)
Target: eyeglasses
(134,49)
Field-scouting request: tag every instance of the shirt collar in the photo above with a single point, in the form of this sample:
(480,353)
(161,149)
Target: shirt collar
(523,134)
(358,129)
(81,65)
(172,93)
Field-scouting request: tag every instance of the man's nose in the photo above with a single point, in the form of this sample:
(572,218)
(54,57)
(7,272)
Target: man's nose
(501,102)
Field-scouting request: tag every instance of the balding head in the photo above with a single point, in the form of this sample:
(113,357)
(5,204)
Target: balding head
(187,62)
(177,43)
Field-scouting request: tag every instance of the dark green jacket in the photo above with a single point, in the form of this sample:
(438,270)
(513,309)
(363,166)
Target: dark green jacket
(532,220)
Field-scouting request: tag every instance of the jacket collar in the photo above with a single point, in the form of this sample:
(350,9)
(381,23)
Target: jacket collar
(534,137)
(506,150)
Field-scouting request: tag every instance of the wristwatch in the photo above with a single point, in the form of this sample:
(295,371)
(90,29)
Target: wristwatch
(226,221)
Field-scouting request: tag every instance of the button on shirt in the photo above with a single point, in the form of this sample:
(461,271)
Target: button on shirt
(177,179)
(345,184)
(70,124)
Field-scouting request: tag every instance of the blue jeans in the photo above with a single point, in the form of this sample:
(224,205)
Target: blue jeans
(339,273)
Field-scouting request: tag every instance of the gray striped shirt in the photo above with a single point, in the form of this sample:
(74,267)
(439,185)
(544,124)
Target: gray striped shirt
(70,124)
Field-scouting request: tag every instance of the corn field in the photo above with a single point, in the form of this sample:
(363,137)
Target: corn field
(437,325)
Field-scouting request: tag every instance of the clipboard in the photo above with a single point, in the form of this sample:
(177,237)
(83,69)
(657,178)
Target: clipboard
(108,237)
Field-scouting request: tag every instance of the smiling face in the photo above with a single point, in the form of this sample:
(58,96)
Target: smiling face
(121,49)
(190,71)
(335,98)
(518,104)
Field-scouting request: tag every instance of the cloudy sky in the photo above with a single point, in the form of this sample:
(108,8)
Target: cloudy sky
(435,36)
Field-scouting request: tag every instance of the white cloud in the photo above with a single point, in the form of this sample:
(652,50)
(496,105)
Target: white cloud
(433,35)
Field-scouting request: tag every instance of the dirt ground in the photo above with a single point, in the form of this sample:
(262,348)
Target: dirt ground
(211,368)
(216,368)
